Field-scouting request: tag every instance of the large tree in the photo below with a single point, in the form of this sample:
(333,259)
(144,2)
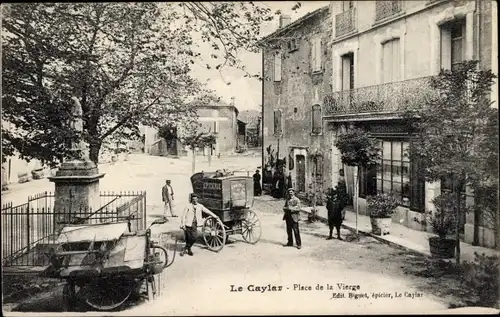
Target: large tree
(127,63)
(457,133)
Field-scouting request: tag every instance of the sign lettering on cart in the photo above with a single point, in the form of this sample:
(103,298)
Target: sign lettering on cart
(212,190)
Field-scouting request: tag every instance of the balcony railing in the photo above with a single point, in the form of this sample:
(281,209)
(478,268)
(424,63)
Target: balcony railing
(392,98)
(345,22)
(385,9)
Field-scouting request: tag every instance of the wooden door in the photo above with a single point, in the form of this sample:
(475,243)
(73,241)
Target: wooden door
(301,173)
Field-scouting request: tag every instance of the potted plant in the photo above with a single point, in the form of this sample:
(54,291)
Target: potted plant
(382,206)
(443,222)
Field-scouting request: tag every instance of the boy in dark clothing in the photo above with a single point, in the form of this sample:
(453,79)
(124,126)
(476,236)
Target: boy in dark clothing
(336,202)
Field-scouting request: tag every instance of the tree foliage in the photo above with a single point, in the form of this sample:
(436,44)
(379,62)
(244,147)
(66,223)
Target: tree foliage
(457,134)
(357,148)
(127,63)
(457,129)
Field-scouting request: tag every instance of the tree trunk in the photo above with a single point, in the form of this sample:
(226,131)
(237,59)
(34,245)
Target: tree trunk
(475,240)
(193,167)
(210,156)
(458,192)
(356,196)
(497,230)
(94,149)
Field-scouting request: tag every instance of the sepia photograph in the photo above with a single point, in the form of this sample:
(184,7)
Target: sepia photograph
(250,158)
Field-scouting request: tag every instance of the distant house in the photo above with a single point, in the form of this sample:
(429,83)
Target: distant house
(219,118)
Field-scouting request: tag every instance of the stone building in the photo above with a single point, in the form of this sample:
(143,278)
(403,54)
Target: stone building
(297,74)
(377,59)
(219,118)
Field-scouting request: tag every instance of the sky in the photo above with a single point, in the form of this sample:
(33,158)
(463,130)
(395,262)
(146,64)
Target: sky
(247,91)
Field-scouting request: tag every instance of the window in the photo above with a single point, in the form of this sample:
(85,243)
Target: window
(278,129)
(293,45)
(457,43)
(452,44)
(348,71)
(316,54)
(394,172)
(216,127)
(316,119)
(277,67)
(390,61)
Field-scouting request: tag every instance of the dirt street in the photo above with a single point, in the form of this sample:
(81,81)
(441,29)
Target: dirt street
(324,277)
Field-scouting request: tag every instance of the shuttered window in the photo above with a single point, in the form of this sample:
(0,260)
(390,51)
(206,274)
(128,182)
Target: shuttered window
(390,61)
(316,119)
(277,67)
(316,54)
(278,126)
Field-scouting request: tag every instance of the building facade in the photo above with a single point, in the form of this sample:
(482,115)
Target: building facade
(381,55)
(297,74)
(218,118)
(222,120)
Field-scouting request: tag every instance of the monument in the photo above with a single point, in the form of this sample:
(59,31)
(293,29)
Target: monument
(77,179)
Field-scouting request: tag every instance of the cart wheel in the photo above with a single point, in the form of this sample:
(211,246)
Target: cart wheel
(214,234)
(250,228)
(108,294)
(151,286)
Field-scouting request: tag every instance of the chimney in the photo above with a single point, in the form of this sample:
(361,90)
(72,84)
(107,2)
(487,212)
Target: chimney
(284,20)
(232,101)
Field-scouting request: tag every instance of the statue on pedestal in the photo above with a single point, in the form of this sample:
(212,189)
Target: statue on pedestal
(78,148)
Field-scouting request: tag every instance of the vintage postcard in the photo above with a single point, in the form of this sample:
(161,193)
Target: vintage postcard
(250,158)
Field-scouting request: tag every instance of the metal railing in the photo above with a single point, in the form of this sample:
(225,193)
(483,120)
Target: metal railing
(28,229)
(391,97)
(385,9)
(345,22)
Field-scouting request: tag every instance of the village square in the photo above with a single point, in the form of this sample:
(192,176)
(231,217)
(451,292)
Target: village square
(223,158)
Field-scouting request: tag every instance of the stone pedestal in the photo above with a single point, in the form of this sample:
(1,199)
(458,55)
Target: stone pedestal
(76,191)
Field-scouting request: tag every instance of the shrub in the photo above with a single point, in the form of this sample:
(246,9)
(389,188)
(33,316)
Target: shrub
(382,205)
(443,220)
(483,276)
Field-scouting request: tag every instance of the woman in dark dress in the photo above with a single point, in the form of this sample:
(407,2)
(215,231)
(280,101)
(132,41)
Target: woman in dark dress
(257,190)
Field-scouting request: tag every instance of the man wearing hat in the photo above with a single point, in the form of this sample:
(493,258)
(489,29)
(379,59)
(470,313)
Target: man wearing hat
(189,222)
(167,194)
(291,217)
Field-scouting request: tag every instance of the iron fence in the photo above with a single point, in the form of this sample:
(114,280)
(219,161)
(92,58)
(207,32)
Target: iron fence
(345,22)
(391,97)
(29,230)
(385,9)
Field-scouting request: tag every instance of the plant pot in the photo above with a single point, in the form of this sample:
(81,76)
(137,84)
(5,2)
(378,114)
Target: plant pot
(381,226)
(442,248)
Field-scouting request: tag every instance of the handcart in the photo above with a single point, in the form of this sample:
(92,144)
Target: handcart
(230,197)
(105,264)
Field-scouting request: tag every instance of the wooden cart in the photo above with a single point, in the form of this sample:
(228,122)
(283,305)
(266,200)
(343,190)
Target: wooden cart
(230,197)
(104,264)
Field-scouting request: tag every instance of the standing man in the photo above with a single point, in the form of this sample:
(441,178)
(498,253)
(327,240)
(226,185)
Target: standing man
(291,217)
(167,194)
(257,190)
(289,183)
(189,222)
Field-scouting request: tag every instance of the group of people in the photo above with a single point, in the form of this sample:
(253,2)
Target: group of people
(337,200)
(280,184)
